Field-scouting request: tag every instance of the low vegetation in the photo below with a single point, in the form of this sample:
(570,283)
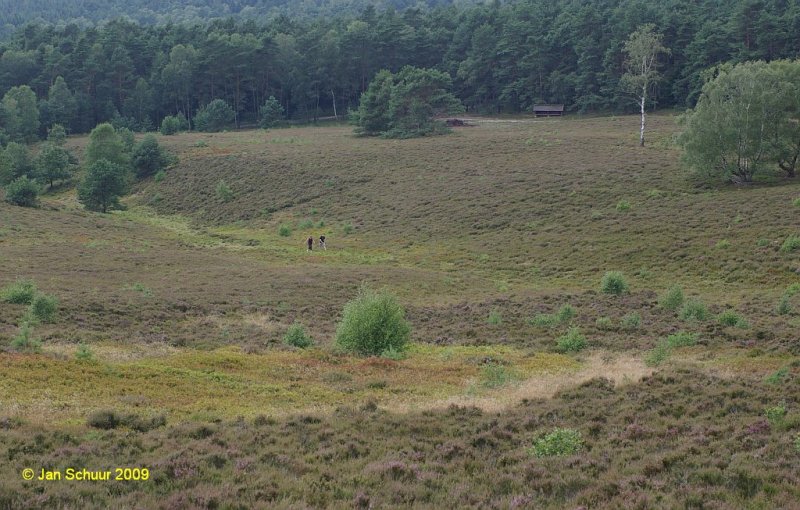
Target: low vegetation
(372,323)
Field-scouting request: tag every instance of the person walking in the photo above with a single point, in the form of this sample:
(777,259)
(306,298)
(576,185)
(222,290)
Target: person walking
(322,243)
(310,243)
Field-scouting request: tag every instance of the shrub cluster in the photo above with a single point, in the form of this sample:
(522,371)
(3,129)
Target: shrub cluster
(296,336)
(559,442)
(613,282)
(572,341)
(373,323)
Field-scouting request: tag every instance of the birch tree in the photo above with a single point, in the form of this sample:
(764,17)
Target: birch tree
(642,50)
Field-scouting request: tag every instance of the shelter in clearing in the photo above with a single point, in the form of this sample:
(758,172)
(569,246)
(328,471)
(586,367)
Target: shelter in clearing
(548,110)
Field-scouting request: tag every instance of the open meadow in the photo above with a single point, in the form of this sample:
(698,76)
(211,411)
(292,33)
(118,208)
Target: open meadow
(495,239)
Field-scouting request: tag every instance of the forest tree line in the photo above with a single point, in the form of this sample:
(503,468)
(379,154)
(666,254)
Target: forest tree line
(500,57)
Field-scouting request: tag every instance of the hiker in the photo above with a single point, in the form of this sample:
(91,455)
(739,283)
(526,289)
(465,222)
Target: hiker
(310,243)
(322,243)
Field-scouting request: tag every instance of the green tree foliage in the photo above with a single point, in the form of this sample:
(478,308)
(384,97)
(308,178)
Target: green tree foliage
(742,124)
(373,323)
(271,113)
(215,116)
(102,186)
(61,106)
(15,161)
(106,144)
(53,164)
(148,157)
(21,114)
(57,135)
(22,191)
(415,98)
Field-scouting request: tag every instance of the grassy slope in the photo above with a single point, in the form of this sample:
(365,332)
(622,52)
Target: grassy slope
(185,297)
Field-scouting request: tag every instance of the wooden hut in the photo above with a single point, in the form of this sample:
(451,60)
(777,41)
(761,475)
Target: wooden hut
(548,110)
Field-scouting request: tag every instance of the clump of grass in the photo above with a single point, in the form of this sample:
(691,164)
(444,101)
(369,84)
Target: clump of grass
(495,375)
(224,192)
(631,321)
(20,292)
(159,176)
(723,244)
(659,354)
(792,289)
(559,442)
(673,299)
(296,336)
(776,414)
(348,228)
(762,243)
(604,323)
(24,341)
(623,206)
(284,230)
(572,341)
(693,310)
(141,288)
(796,202)
(797,437)
(565,313)
(778,376)
(544,320)
(784,306)
(681,339)
(494,318)
(393,354)
(43,308)
(732,319)
(613,282)
(655,193)
(84,353)
(200,143)
(791,244)
(306,223)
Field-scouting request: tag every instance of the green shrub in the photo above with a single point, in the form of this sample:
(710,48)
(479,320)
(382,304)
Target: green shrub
(170,125)
(797,437)
(393,354)
(623,206)
(105,420)
(792,289)
(215,116)
(732,319)
(84,353)
(659,354)
(148,157)
(604,323)
(284,230)
(762,243)
(495,375)
(775,415)
(572,341)
(682,339)
(559,442)
(784,306)
(160,175)
(305,224)
(372,323)
(296,336)
(494,317)
(723,244)
(778,376)
(224,192)
(22,191)
(42,309)
(791,244)
(796,202)
(24,341)
(693,310)
(613,282)
(271,113)
(20,292)
(673,299)
(348,228)
(631,321)
(565,313)
(544,320)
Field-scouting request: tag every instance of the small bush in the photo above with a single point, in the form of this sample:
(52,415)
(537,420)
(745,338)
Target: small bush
(565,313)
(305,224)
(296,336)
(105,420)
(673,299)
(43,308)
(682,339)
(544,320)
(659,354)
(775,415)
(723,244)
(24,341)
(732,319)
(791,244)
(393,354)
(604,323)
(631,321)
(348,228)
(797,437)
(170,125)
(495,375)
(693,310)
(284,230)
(215,116)
(20,292)
(623,206)
(84,353)
(793,289)
(613,282)
(372,323)
(762,243)
(778,376)
(573,341)
(224,192)
(494,318)
(559,442)
(784,306)
(148,157)
(796,202)
(160,175)
(22,192)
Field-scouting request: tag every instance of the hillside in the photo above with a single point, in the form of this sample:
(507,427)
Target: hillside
(485,236)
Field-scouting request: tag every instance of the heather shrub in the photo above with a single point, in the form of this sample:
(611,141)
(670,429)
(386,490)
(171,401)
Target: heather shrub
(604,323)
(778,376)
(20,292)
(544,320)
(784,306)
(682,339)
(776,414)
(372,323)
(631,321)
(105,420)
(572,341)
(732,319)
(559,442)
(613,282)
(673,299)
(296,336)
